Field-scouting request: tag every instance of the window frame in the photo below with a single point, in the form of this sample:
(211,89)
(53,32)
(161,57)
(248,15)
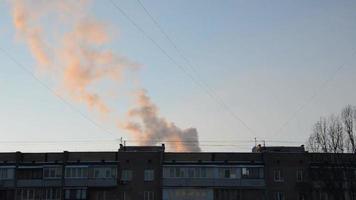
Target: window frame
(148,195)
(280,175)
(279,196)
(149,175)
(300,175)
(126,175)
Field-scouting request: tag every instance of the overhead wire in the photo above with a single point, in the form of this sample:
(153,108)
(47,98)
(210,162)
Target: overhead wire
(317,91)
(292,116)
(200,84)
(59,97)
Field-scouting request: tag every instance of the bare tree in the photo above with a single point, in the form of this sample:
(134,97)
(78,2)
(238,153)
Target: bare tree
(318,141)
(348,116)
(335,134)
(312,145)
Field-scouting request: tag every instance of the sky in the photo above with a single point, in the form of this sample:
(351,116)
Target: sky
(278,66)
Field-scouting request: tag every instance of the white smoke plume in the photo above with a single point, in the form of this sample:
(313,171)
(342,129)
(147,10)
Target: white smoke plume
(152,128)
(76,57)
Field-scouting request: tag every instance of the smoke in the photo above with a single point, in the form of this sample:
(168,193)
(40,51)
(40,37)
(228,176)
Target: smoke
(152,128)
(79,61)
(84,64)
(23,18)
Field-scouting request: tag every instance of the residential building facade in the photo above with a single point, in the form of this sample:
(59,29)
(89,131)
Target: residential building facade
(150,173)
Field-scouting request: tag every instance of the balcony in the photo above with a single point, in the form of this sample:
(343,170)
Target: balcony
(78,182)
(204,182)
(7,183)
(38,183)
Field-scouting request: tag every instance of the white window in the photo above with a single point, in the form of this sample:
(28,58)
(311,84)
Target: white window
(252,172)
(299,175)
(126,175)
(149,175)
(278,176)
(148,195)
(245,172)
(279,196)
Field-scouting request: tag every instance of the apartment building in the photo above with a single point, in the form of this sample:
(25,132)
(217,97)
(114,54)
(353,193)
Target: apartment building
(150,173)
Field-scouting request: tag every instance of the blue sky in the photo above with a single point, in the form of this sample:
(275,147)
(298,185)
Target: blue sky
(263,58)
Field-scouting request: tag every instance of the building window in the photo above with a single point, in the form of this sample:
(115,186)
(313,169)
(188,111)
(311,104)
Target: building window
(126,175)
(75,194)
(187,172)
(148,195)
(252,172)
(245,172)
(353,196)
(279,196)
(103,172)
(226,194)
(6,173)
(67,194)
(301,196)
(149,175)
(323,195)
(196,194)
(52,172)
(180,172)
(29,173)
(125,196)
(278,176)
(76,172)
(53,193)
(38,193)
(171,172)
(203,173)
(100,195)
(191,172)
(299,175)
(227,173)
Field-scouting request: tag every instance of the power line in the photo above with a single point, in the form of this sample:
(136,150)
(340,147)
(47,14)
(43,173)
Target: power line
(201,85)
(57,141)
(43,84)
(193,68)
(217,141)
(186,142)
(315,94)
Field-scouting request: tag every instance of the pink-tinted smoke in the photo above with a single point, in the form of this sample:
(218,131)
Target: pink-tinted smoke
(151,128)
(78,61)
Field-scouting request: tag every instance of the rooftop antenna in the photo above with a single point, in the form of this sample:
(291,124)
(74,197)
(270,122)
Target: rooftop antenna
(255,142)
